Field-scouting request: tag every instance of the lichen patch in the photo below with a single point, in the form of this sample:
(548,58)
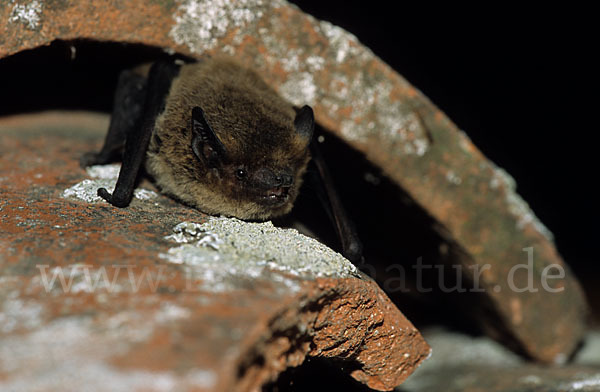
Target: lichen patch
(103,176)
(199,24)
(224,252)
(517,206)
(27,13)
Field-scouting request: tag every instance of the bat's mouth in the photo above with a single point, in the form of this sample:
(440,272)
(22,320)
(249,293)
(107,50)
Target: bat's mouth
(277,195)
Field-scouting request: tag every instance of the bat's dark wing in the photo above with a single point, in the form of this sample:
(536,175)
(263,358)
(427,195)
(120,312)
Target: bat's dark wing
(137,105)
(128,104)
(322,183)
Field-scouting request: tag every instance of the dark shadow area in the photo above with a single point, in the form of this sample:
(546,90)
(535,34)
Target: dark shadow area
(315,375)
(68,75)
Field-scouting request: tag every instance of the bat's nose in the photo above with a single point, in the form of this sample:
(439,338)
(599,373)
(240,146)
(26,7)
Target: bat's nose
(267,178)
(284,180)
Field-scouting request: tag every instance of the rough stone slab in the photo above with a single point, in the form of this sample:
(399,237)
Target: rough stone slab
(159,297)
(374,109)
(525,378)
(462,363)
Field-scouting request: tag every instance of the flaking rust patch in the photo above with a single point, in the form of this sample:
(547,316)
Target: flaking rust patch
(103,176)
(345,63)
(374,110)
(225,252)
(199,24)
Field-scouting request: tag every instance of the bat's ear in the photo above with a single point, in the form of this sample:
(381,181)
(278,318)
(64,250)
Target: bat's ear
(305,122)
(205,143)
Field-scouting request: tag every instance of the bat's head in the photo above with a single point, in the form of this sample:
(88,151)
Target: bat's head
(256,167)
(228,144)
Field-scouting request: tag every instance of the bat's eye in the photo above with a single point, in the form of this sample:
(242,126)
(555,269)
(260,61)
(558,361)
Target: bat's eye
(241,174)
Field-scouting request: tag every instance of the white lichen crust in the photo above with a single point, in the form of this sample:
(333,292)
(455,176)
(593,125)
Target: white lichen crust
(374,111)
(224,252)
(103,176)
(200,23)
(517,206)
(27,13)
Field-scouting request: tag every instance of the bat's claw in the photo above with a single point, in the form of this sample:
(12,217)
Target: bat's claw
(103,193)
(115,200)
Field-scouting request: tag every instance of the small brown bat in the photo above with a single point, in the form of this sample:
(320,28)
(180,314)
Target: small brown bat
(215,136)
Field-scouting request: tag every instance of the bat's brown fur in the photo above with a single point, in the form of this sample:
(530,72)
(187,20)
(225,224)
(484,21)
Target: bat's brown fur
(255,125)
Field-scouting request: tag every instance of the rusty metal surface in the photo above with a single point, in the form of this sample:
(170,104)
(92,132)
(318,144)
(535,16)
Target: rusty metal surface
(96,295)
(374,109)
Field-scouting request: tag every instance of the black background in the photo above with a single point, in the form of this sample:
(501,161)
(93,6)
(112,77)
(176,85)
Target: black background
(520,81)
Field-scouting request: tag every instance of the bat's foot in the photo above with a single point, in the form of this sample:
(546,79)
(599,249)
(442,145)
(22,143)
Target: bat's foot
(112,199)
(103,193)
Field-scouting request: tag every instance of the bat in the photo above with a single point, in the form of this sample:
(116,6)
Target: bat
(213,135)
